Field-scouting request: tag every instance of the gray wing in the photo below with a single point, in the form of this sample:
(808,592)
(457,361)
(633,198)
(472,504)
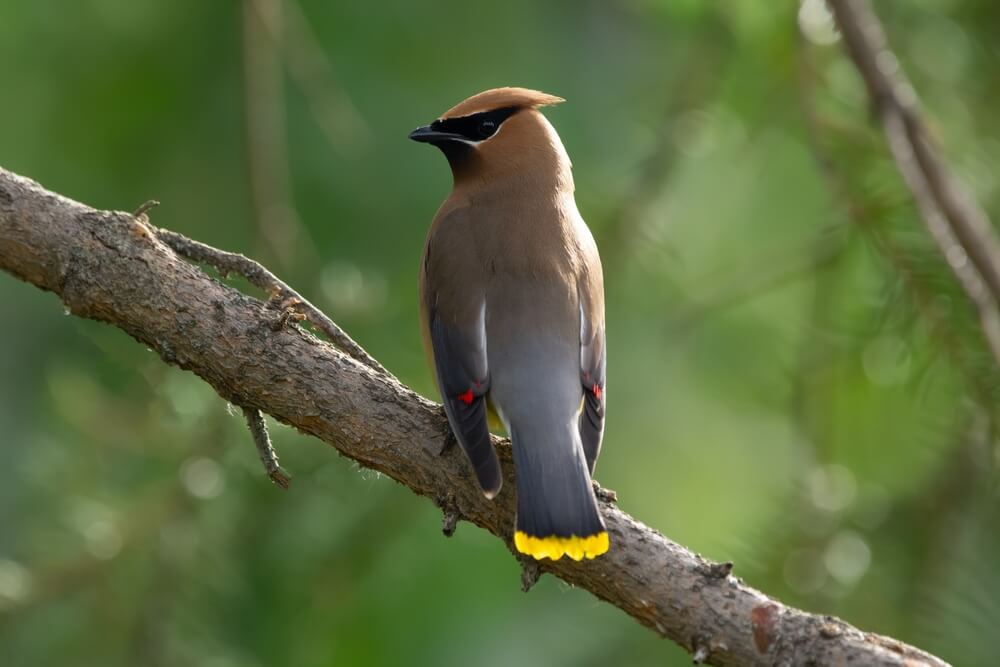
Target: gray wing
(592,376)
(463,377)
(455,310)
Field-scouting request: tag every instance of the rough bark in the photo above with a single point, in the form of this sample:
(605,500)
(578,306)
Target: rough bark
(113,267)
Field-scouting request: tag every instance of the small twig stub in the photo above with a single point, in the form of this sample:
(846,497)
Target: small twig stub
(144,208)
(530,573)
(258,429)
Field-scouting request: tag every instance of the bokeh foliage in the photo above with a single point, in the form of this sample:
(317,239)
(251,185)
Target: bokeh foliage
(796,382)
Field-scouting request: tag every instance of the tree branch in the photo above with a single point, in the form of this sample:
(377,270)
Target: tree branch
(114,267)
(959,226)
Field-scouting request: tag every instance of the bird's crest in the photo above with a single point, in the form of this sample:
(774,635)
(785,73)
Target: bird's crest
(500,98)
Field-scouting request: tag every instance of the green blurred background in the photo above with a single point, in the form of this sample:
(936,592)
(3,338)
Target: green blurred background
(796,383)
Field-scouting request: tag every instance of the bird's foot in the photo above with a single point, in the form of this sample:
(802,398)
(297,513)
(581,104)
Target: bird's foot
(607,495)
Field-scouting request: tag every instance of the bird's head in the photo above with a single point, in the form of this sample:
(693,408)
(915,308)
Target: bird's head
(498,132)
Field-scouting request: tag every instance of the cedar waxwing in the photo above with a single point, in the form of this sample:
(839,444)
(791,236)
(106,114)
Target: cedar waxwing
(512,312)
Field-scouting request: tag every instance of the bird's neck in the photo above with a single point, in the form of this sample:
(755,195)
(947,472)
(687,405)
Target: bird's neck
(525,183)
(543,175)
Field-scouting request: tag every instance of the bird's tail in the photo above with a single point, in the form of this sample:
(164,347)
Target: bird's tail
(556,507)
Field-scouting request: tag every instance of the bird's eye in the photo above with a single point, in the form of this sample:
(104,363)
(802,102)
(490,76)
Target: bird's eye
(487,128)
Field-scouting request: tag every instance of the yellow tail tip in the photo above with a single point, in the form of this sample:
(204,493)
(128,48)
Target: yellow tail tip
(555,547)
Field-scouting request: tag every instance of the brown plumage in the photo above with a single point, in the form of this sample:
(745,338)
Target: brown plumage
(512,307)
(498,98)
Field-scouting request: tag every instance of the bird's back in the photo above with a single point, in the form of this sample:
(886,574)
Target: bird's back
(512,300)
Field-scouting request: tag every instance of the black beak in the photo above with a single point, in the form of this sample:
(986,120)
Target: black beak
(428,136)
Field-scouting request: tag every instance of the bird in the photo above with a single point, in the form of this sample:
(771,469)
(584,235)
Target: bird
(512,316)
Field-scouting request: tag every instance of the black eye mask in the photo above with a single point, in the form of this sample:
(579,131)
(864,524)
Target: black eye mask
(477,126)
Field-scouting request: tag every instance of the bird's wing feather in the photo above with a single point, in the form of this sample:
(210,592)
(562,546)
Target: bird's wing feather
(592,376)
(592,347)
(455,313)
